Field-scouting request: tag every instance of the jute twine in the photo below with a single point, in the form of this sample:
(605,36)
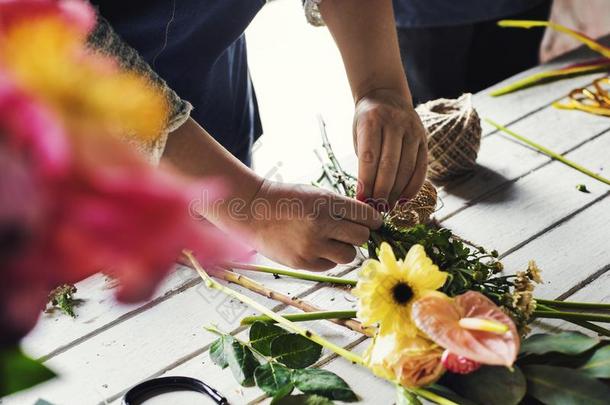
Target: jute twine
(454,136)
(417,210)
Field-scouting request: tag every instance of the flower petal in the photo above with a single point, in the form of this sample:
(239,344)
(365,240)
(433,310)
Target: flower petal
(422,273)
(439,319)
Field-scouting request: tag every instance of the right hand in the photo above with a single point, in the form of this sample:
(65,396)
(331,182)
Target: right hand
(307,227)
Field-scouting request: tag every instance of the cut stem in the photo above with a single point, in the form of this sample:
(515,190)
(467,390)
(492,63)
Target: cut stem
(290,273)
(304,306)
(579,316)
(585,324)
(213,284)
(308,316)
(548,152)
(572,304)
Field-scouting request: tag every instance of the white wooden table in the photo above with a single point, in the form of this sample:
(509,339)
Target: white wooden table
(517,201)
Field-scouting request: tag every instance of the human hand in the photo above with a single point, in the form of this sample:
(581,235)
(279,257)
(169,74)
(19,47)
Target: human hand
(390,142)
(307,227)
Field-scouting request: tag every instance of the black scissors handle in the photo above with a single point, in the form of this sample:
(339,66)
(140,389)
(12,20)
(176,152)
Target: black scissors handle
(157,386)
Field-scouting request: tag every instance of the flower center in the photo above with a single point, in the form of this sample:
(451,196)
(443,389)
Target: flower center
(402,293)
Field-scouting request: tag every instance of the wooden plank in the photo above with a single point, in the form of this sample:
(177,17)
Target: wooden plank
(165,335)
(202,367)
(502,159)
(569,253)
(533,203)
(56,331)
(512,107)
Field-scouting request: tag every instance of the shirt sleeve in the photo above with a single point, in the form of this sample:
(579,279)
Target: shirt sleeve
(106,41)
(312,12)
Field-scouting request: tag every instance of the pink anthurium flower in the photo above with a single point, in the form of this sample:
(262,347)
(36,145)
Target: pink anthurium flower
(469,325)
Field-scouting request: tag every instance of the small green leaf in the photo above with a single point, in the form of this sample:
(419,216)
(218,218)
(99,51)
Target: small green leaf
(491,385)
(262,334)
(274,378)
(295,351)
(18,371)
(570,343)
(322,382)
(564,386)
(217,351)
(241,361)
(406,397)
(303,400)
(598,365)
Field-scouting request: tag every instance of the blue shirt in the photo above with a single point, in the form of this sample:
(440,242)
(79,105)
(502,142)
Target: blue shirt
(198,48)
(442,13)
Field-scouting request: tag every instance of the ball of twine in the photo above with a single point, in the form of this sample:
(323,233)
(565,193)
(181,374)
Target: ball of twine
(454,136)
(417,210)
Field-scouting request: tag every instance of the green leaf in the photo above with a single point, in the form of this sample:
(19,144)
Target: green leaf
(262,334)
(295,351)
(18,371)
(274,378)
(564,386)
(599,364)
(570,343)
(406,397)
(241,361)
(322,382)
(217,351)
(303,400)
(491,385)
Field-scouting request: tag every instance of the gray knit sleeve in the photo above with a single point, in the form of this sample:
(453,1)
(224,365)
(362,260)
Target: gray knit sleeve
(106,41)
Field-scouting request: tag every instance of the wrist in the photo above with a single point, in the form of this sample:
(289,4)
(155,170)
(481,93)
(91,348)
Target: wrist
(397,97)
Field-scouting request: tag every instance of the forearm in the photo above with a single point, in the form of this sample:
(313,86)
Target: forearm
(195,153)
(365,33)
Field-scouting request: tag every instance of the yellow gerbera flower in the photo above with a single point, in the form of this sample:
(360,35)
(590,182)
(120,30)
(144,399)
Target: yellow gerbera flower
(388,288)
(89,91)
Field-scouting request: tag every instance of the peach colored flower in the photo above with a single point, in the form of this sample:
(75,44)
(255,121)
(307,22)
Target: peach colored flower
(410,361)
(469,325)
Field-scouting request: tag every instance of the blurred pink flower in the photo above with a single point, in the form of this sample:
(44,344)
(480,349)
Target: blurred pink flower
(77,13)
(73,205)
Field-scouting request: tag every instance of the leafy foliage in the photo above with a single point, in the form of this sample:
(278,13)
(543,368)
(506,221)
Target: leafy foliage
(62,298)
(261,336)
(598,365)
(295,351)
(18,371)
(276,360)
(325,383)
(560,385)
(491,385)
(570,343)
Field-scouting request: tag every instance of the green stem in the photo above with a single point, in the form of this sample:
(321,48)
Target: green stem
(306,316)
(587,325)
(290,273)
(213,284)
(572,304)
(579,316)
(429,395)
(549,152)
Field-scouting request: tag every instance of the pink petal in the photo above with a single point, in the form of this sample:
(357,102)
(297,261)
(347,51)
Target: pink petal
(77,13)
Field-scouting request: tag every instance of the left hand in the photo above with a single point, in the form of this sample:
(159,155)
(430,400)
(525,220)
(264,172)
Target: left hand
(391,145)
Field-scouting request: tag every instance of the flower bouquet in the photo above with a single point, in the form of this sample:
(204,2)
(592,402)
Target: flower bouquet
(447,325)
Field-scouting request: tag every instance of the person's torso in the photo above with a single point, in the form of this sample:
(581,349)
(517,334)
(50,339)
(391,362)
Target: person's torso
(439,13)
(198,48)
